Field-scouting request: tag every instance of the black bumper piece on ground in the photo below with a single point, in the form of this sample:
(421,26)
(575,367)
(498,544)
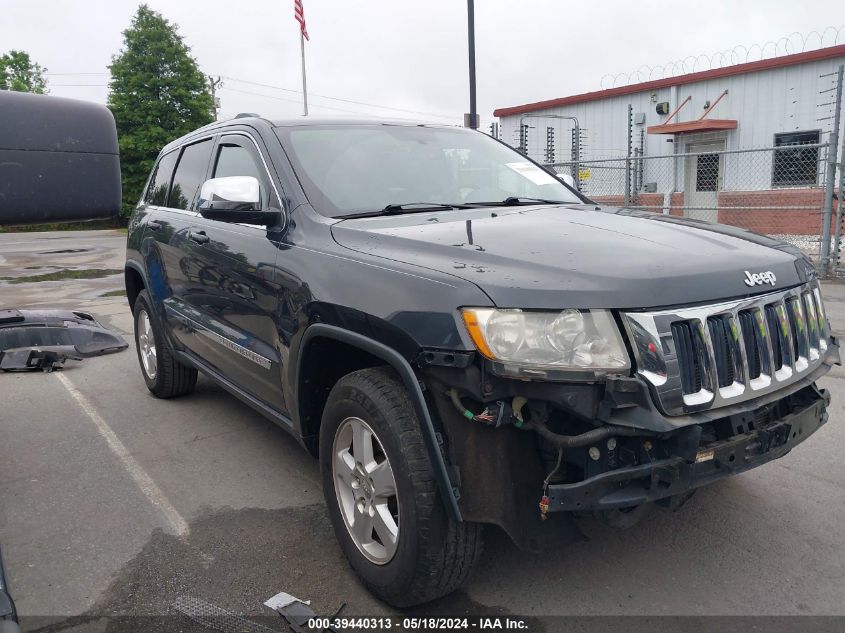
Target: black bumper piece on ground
(8,615)
(627,487)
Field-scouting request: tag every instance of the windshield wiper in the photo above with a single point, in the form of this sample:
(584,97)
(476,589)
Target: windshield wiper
(514,201)
(408,207)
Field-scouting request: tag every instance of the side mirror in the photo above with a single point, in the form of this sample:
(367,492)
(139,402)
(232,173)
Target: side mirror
(569,180)
(58,160)
(234,199)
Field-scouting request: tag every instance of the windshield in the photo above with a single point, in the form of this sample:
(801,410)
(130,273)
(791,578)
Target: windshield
(353,169)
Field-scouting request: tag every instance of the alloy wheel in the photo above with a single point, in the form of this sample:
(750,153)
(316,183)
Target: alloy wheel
(147,345)
(366,490)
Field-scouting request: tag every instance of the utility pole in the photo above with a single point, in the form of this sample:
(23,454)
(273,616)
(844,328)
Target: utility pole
(628,159)
(830,176)
(299,15)
(213,85)
(471,119)
(304,83)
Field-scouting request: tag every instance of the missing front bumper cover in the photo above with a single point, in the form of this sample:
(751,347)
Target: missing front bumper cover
(644,483)
(32,340)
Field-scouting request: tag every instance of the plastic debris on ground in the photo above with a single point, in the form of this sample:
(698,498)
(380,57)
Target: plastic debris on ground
(43,340)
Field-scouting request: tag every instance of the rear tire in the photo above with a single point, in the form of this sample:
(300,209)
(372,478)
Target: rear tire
(165,376)
(433,555)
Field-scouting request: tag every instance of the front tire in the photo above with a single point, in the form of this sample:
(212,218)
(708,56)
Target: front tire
(382,495)
(165,376)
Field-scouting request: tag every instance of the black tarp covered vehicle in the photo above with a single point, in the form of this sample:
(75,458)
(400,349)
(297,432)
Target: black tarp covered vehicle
(58,163)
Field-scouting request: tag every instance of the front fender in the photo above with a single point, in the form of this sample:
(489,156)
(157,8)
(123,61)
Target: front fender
(412,384)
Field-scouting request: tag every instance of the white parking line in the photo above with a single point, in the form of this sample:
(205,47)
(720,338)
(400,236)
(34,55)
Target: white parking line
(178,524)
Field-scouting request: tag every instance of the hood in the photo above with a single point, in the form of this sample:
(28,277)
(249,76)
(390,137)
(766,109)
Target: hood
(582,256)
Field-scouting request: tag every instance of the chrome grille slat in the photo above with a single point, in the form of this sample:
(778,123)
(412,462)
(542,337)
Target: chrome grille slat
(763,325)
(735,350)
(789,341)
(799,329)
(821,319)
(753,352)
(709,378)
(740,360)
(775,337)
(786,344)
(690,374)
(812,324)
(717,330)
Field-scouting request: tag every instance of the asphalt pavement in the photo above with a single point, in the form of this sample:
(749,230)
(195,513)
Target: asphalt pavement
(114,503)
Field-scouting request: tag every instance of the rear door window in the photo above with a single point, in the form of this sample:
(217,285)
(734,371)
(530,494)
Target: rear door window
(160,182)
(190,174)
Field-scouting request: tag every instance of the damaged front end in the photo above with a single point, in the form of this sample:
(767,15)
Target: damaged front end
(43,340)
(520,466)
(528,455)
(625,472)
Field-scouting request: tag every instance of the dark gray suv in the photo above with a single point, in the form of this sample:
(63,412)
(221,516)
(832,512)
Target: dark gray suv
(462,339)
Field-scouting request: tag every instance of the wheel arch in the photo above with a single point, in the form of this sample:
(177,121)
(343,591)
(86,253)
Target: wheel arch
(135,282)
(309,396)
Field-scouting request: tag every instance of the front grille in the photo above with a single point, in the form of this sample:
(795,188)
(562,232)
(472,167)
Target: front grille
(755,344)
(723,349)
(777,336)
(811,317)
(691,367)
(730,352)
(794,333)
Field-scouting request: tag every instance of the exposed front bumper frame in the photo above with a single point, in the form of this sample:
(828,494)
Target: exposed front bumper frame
(627,487)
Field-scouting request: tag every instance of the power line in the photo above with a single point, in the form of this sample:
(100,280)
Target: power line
(74,74)
(275,98)
(363,103)
(450,117)
(247,92)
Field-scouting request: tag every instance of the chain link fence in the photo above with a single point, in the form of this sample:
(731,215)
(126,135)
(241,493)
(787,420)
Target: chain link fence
(792,190)
(777,191)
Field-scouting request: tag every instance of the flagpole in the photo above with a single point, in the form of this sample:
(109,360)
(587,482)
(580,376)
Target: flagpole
(304,85)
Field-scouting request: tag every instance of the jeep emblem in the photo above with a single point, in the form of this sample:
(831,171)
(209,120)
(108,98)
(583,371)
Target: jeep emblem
(758,279)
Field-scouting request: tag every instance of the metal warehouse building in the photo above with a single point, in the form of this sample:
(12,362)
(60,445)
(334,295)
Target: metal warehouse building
(745,144)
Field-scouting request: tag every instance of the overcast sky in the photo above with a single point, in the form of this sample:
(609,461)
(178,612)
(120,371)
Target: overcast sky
(409,55)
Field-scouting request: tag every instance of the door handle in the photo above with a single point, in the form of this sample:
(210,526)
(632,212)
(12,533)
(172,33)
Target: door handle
(199,237)
(153,225)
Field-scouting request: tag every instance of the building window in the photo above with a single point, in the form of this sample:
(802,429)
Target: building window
(796,162)
(707,172)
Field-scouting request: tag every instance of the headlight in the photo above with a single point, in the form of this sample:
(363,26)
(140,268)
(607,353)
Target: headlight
(521,341)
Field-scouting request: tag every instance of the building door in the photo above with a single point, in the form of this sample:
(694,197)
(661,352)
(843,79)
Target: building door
(703,180)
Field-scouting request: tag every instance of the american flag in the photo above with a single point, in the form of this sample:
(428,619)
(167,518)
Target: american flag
(299,14)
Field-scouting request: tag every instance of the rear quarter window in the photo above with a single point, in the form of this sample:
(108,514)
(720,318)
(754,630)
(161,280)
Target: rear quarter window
(160,181)
(190,174)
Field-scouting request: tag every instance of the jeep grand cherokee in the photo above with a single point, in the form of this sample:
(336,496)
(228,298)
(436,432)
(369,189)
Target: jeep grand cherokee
(462,339)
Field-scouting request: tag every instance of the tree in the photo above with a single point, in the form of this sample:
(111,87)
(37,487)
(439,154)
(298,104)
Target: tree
(156,93)
(19,73)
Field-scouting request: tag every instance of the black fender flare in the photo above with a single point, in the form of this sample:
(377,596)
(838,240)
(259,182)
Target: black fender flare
(157,314)
(138,268)
(409,378)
